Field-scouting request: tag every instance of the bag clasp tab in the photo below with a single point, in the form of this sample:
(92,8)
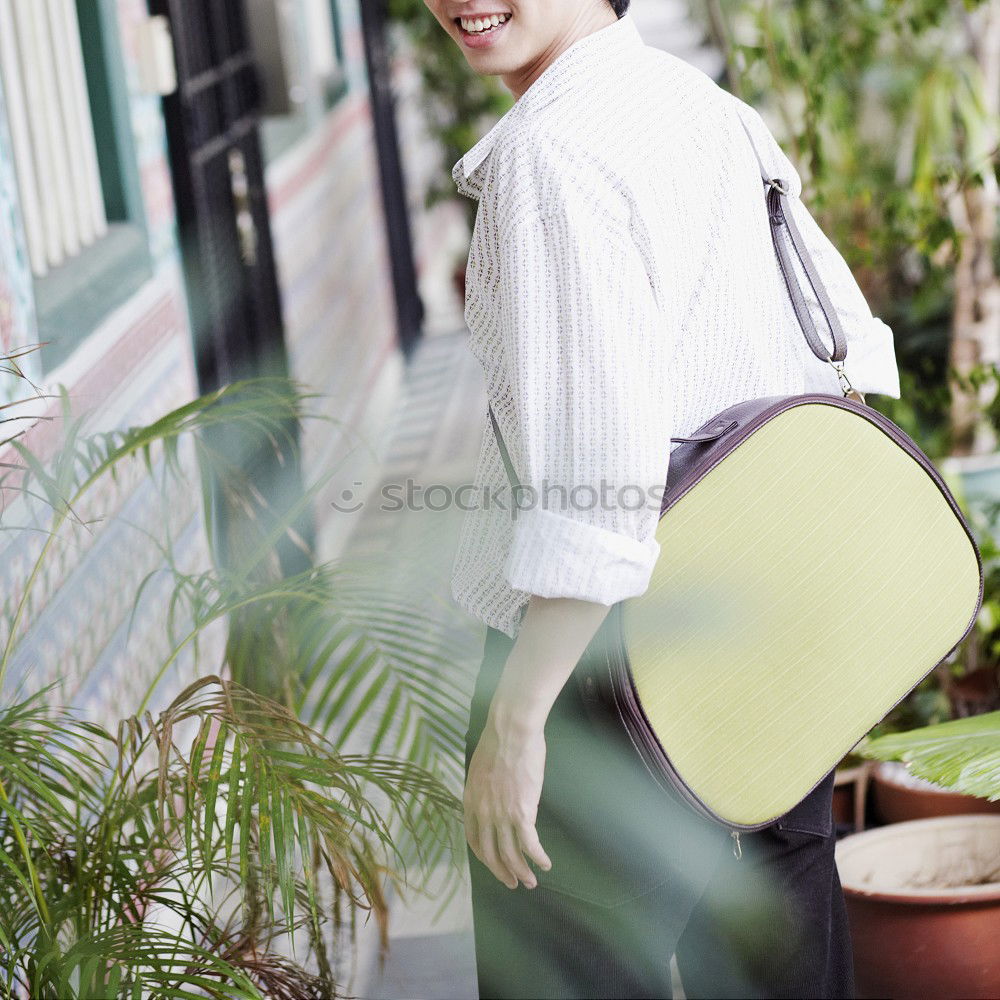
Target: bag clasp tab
(845,383)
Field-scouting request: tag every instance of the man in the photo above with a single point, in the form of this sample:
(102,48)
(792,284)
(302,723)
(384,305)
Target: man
(621,289)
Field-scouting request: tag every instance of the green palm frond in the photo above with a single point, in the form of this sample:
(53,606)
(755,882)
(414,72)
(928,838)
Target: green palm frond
(963,754)
(237,817)
(249,411)
(253,799)
(139,961)
(223,427)
(381,671)
(365,642)
(271,787)
(367,667)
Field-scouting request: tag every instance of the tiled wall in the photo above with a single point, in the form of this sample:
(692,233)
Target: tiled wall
(332,258)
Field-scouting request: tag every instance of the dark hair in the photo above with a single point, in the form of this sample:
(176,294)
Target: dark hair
(619,6)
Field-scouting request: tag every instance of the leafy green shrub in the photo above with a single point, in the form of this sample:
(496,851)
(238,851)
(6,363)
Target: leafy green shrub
(178,854)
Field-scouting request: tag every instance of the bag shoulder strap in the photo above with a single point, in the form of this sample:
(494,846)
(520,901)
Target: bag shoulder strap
(504,454)
(781,220)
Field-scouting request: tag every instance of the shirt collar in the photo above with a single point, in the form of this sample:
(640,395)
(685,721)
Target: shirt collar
(617,40)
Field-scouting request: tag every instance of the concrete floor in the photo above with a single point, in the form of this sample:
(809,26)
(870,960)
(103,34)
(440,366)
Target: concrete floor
(435,440)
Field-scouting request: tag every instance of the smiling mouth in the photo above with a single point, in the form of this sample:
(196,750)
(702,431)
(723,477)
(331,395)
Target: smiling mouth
(482,25)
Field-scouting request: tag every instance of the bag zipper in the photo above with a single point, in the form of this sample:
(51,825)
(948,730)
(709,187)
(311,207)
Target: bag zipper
(861,409)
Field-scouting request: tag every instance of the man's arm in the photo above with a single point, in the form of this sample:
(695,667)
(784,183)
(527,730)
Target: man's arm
(586,346)
(554,633)
(506,771)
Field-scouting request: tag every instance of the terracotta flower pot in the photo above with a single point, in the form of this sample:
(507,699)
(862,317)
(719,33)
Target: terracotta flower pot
(923,899)
(898,796)
(843,804)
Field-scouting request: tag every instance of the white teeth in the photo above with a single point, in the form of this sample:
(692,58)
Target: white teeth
(481,24)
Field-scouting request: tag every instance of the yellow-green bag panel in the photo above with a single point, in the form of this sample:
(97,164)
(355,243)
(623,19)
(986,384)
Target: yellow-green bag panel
(777,631)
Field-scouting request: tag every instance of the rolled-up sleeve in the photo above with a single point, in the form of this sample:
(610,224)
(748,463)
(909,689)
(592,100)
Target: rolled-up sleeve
(587,352)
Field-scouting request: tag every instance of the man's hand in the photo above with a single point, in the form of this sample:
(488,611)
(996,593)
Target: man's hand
(501,797)
(504,782)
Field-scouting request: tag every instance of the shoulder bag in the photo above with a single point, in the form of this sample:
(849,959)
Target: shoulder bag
(814,569)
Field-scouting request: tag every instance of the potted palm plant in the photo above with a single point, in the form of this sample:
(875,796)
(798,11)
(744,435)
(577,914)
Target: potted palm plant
(224,844)
(924,895)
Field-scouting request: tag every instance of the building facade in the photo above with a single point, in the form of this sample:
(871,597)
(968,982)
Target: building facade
(119,189)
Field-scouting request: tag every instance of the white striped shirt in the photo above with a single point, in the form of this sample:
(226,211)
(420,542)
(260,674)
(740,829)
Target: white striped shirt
(622,288)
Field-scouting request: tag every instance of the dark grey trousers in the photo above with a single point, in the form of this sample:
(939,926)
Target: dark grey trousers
(637,877)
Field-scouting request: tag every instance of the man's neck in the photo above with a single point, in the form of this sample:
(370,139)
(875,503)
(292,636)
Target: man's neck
(588,21)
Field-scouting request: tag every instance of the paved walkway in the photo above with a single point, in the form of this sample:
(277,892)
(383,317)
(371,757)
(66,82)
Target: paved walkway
(435,440)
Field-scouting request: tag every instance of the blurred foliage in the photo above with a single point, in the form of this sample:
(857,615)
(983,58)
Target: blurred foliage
(175,854)
(459,105)
(880,105)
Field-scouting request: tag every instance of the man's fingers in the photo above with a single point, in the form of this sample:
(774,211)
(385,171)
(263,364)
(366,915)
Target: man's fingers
(472,834)
(480,836)
(491,856)
(527,836)
(512,857)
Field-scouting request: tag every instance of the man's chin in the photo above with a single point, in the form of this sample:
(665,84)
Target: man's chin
(490,63)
